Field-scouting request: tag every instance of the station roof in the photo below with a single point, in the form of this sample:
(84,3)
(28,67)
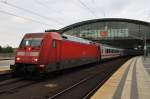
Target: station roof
(103,20)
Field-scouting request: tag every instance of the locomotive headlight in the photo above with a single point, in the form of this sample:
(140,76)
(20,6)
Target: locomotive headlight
(35,59)
(18,58)
(29,48)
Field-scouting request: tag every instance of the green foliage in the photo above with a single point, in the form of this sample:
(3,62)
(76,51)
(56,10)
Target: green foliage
(0,49)
(7,49)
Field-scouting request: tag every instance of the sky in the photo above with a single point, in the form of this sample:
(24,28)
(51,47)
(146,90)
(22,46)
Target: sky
(18,17)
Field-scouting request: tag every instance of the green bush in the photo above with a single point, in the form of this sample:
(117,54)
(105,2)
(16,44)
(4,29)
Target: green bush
(0,49)
(7,49)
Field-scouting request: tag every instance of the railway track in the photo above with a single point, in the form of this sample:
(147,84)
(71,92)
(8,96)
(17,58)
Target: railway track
(4,77)
(65,92)
(14,84)
(74,91)
(9,81)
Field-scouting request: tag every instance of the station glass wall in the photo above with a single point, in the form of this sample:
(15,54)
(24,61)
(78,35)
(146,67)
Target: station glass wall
(110,30)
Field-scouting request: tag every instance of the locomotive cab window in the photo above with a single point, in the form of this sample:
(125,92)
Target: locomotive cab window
(34,42)
(54,44)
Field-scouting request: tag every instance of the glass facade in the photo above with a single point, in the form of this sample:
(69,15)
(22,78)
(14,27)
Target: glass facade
(110,30)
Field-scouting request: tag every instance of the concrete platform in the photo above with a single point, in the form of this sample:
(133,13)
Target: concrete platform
(5,66)
(130,81)
(4,70)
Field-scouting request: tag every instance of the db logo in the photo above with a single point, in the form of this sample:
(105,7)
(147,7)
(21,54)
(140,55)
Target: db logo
(103,33)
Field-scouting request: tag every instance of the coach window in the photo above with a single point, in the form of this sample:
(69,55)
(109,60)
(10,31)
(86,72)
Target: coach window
(108,50)
(54,44)
(111,51)
(105,50)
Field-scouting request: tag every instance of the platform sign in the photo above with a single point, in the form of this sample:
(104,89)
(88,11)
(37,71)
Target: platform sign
(103,33)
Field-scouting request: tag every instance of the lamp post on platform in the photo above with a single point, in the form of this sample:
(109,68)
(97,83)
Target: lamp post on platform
(145,47)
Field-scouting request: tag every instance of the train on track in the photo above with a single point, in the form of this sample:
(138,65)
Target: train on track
(50,51)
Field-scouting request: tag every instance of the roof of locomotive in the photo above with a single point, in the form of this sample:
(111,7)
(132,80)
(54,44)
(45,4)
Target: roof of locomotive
(76,39)
(29,35)
(54,35)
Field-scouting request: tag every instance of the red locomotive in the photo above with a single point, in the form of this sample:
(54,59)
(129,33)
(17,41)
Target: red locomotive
(51,51)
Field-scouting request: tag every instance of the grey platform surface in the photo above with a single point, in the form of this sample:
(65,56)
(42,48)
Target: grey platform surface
(130,81)
(5,66)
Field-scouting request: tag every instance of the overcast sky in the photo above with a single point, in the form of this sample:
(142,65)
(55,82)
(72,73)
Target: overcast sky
(18,17)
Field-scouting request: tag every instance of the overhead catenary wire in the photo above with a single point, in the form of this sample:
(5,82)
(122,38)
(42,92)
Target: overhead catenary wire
(45,6)
(103,11)
(29,11)
(26,18)
(85,6)
(52,9)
